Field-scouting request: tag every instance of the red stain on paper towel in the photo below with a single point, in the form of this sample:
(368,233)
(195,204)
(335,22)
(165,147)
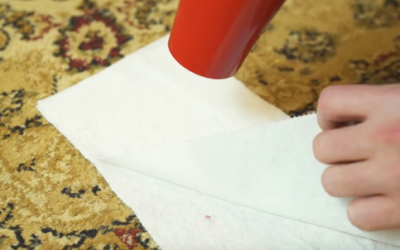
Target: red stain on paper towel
(208,217)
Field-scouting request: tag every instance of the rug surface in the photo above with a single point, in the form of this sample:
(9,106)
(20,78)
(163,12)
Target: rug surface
(51,197)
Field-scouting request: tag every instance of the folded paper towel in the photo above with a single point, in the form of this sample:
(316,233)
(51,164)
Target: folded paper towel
(147,100)
(270,168)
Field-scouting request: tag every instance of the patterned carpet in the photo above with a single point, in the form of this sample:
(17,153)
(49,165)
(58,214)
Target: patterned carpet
(51,197)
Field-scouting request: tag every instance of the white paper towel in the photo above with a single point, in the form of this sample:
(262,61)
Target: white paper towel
(147,99)
(270,168)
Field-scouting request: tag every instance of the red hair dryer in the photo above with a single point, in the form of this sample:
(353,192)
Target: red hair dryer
(213,37)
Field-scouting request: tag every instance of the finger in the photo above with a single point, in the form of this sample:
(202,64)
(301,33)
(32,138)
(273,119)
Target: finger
(339,104)
(347,144)
(353,180)
(374,213)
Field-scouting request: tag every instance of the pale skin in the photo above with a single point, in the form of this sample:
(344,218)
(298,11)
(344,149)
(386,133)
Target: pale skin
(361,143)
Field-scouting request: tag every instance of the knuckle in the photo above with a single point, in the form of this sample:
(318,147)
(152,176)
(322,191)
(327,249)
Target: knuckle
(389,134)
(391,91)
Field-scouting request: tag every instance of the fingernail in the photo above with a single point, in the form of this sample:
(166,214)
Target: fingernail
(352,214)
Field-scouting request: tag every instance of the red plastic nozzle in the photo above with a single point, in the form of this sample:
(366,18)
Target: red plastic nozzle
(213,37)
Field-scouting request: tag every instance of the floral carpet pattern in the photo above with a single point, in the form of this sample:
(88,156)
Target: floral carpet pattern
(51,197)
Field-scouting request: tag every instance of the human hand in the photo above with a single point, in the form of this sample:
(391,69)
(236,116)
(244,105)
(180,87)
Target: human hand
(365,157)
